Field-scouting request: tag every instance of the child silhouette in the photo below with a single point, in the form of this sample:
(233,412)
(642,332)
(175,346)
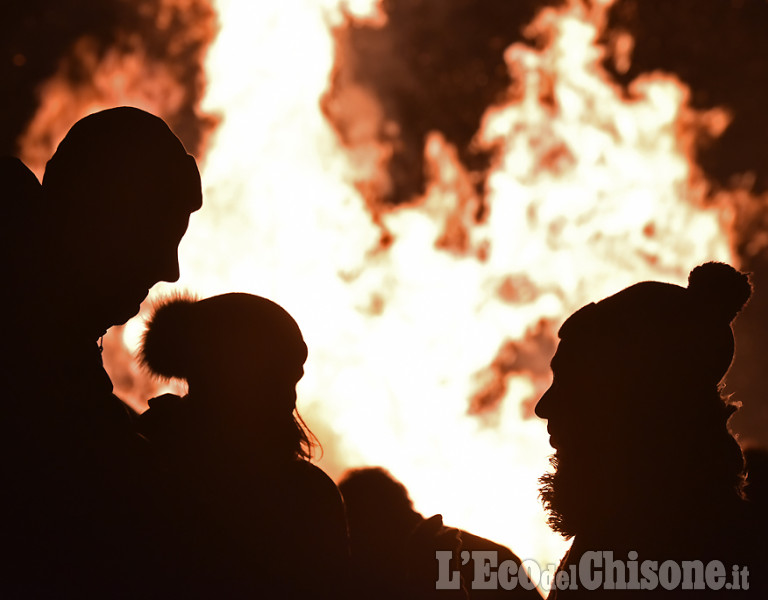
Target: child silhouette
(257,514)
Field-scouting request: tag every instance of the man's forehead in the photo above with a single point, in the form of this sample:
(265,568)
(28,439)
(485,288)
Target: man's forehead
(561,354)
(173,188)
(571,355)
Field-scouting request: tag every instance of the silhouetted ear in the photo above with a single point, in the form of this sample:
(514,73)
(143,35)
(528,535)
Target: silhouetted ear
(168,341)
(720,288)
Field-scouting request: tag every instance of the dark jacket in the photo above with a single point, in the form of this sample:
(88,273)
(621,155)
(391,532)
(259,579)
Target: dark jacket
(82,514)
(256,526)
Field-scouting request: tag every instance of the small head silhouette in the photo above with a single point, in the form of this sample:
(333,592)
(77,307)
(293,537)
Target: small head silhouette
(117,195)
(242,356)
(392,544)
(378,505)
(636,379)
(381,518)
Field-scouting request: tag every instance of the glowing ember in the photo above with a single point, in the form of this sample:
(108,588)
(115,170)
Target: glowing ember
(590,192)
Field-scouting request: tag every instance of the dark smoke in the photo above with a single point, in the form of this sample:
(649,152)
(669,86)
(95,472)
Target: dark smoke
(720,50)
(435,66)
(37,35)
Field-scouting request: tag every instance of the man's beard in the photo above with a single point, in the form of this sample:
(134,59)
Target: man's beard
(572,494)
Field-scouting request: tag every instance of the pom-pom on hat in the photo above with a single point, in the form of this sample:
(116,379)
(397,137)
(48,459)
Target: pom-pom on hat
(720,289)
(166,343)
(654,331)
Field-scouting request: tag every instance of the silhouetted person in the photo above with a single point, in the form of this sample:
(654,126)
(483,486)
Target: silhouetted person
(644,459)
(393,545)
(82,515)
(267,522)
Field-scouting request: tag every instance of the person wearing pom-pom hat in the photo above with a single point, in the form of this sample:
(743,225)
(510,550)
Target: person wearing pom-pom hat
(645,466)
(261,519)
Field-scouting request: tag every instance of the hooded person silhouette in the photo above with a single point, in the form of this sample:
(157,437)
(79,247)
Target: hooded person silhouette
(90,241)
(394,546)
(645,466)
(264,519)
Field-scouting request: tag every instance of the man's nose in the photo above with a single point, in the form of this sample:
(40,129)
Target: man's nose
(169,268)
(544,405)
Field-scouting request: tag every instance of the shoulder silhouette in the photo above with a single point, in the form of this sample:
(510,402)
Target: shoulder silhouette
(394,545)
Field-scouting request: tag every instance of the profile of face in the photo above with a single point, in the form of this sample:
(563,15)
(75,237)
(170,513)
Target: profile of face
(138,252)
(582,429)
(247,385)
(247,370)
(135,249)
(119,192)
(575,403)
